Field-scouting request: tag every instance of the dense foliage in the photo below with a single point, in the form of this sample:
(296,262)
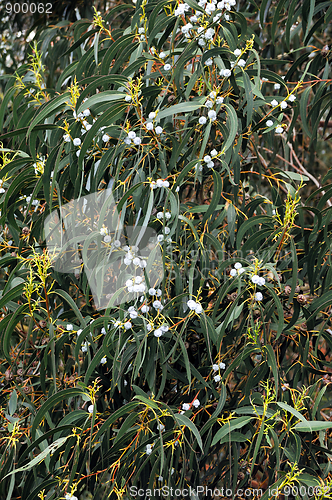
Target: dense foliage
(204,124)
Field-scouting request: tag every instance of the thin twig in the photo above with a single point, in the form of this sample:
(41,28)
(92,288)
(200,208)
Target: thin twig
(304,171)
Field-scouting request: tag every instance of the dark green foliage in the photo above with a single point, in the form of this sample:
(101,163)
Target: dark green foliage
(224,381)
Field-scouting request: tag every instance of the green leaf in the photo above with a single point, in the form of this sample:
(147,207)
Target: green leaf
(100,98)
(51,403)
(183,420)
(312,426)
(183,107)
(47,109)
(292,410)
(12,294)
(236,423)
(217,188)
(72,304)
(124,410)
(249,96)
(148,402)
(39,458)
(273,364)
(12,405)
(232,123)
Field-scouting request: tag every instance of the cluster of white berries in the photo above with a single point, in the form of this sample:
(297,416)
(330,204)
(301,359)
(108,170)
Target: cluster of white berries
(238,269)
(210,7)
(208,158)
(215,368)
(132,139)
(86,127)
(155,292)
(160,215)
(181,9)
(207,35)
(131,258)
(283,105)
(132,312)
(212,115)
(156,304)
(84,347)
(278,129)
(82,114)
(70,497)
(135,285)
(141,32)
(241,63)
(258,280)
(148,449)
(166,230)
(186,406)
(226,73)
(159,183)
(213,95)
(77,141)
(186,30)
(195,306)
(158,332)
(152,115)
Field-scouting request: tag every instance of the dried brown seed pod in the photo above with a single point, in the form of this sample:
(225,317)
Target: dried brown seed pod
(240,476)
(288,290)
(302,299)
(171,98)
(232,296)
(42,323)
(25,231)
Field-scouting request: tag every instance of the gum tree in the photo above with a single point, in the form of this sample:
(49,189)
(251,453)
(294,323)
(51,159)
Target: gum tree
(202,123)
